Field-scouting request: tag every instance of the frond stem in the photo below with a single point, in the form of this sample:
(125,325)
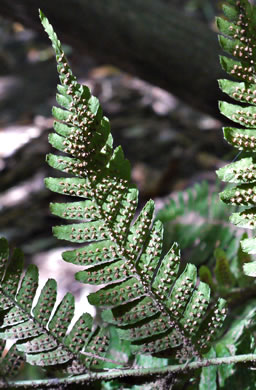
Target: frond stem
(134,372)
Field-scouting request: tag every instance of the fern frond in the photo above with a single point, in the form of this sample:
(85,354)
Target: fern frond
(193,199)
(238,40)
(154,307)
(197,220)
(41,333)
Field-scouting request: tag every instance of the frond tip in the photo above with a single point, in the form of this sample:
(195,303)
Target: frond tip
(154,307)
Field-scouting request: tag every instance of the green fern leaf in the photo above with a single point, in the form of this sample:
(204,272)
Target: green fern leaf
(42,333)
(167,342)
(129,314)
(196,219)
(181,291)
(44,342)
(240,172)
(118,293)
(11,363)
(154,327)
(250,269)
(249,245)
(193,199)
(147,299)
(93,254)
(238,40)
(167,272)
(214,324)
(196,308)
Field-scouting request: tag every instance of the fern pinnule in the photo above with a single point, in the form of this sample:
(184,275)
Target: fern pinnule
(41,332)
(143,294)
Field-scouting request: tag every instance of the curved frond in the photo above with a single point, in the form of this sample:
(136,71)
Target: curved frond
(156,306)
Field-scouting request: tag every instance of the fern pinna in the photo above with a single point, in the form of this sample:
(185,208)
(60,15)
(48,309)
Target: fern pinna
(238,39)
(143,295)
(41,332)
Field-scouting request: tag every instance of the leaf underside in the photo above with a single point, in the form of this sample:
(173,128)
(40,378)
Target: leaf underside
(145,294)
(237,38)
(41,333)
